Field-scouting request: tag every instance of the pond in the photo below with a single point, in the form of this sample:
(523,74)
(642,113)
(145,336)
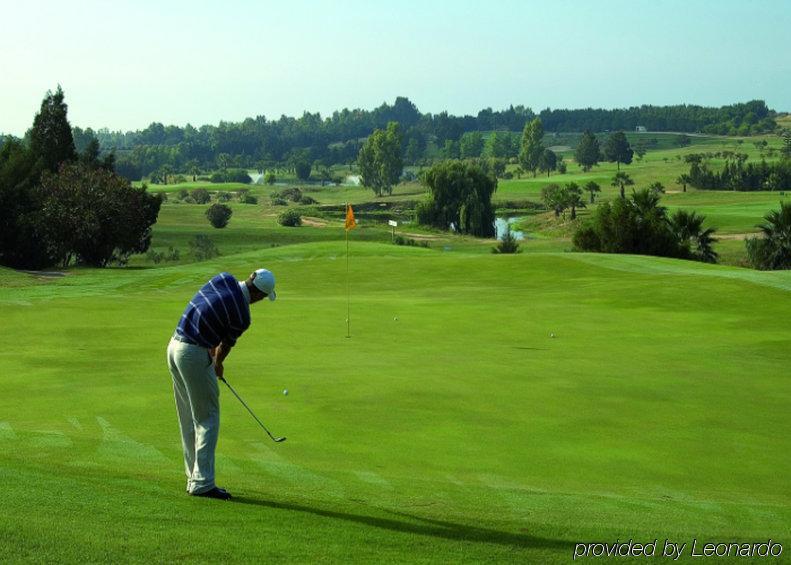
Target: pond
(500,223)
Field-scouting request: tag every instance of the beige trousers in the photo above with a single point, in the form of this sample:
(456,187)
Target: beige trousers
(197,395)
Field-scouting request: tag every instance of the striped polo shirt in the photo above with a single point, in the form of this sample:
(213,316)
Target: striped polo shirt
(217,313)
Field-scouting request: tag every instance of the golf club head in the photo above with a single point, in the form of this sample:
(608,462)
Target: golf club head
(279,439)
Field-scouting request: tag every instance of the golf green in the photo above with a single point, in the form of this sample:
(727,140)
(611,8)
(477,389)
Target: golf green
(451,427)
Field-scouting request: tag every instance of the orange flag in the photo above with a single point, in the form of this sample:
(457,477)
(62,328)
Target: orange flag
(350,223)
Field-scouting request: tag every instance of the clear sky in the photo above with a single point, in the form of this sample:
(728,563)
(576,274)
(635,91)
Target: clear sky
(124,64)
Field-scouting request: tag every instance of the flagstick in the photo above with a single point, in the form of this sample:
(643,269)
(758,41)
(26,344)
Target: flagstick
(348,292)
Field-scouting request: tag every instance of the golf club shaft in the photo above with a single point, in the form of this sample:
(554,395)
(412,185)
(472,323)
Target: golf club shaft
(260,423)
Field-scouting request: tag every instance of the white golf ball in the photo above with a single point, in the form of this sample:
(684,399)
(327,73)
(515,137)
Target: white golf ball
(395,318)
(285,392)
(552,335)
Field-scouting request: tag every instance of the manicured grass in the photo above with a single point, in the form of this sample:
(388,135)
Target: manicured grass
(460,432)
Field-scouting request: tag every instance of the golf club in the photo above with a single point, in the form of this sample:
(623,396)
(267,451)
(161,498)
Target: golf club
(275,439)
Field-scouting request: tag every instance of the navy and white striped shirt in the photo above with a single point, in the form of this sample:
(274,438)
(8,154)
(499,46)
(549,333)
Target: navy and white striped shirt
(217,313)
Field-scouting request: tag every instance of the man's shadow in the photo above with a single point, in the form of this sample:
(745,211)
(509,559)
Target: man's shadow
(425,527)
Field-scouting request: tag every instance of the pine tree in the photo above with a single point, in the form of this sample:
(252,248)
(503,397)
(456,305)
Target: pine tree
(51,138)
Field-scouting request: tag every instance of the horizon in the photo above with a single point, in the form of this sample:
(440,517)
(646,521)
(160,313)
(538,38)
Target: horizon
(175,64)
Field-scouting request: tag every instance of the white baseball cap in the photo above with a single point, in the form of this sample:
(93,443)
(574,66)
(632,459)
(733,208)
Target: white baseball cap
(264,281)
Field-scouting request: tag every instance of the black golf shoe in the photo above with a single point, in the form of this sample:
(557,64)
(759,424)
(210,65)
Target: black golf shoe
(216,492)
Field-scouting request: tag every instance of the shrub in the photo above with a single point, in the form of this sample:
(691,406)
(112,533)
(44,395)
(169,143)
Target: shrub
(182,194)
(290,218)
(223,196)
(293,194)
(248,199)
(200,196)
(217,178)
(219,215)
(163,196)
(408,241)
(308,201)
(508,244)
(270,178)
(507,175)
(279,202)
(203,248)
(238,175)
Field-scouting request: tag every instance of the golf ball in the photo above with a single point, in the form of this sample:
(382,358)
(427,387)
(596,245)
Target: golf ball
(285,392)
(395,318)
(551,335)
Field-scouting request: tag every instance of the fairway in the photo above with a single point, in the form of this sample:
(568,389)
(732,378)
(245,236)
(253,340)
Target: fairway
(449,428)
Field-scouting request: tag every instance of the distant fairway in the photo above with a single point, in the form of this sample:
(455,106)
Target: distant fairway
(462,432)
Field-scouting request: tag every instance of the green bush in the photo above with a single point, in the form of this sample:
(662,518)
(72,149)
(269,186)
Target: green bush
(279,202)
(270,178)
(290,218)
(293,194)
(223,196)
(182,194)
(200,196)
(400,240)
(308,201)
(203,248)
(219,215)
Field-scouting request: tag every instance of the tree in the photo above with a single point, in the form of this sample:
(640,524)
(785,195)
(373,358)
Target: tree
(622,180)
(548,161)
(412,152)
(697,242)
(471,145)
(95,216)
(51,138)
(786,137)
(302,168)
(640,150)
(460,198)
(772,251)
(617,149)
(532,146)
(380,160)
(451,149)
(656,187)
(270,178)
(683,179)
(219,215)
(203,247)
(554,198)
(508,243)
(193,168)
(223,161)
(573,198)
(587,153)
(593,188)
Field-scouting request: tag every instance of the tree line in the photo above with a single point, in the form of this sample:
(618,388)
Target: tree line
(336,139)
(739,174)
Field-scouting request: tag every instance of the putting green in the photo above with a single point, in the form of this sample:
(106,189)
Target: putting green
(460,432)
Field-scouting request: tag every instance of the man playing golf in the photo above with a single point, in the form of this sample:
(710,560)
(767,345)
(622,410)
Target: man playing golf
(209,327)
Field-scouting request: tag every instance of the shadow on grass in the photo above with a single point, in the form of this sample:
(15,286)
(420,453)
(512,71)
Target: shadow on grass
(422,526)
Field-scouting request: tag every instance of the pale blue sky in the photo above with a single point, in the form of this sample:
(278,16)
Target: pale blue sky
(124,64)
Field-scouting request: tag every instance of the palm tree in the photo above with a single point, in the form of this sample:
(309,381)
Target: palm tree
(684,179)
(593,188)
(688,227)
(574,198)
(622,180)
(773,251)
(657,187)
(646,203)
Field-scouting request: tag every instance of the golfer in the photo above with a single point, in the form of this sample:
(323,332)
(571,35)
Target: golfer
(209,327)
